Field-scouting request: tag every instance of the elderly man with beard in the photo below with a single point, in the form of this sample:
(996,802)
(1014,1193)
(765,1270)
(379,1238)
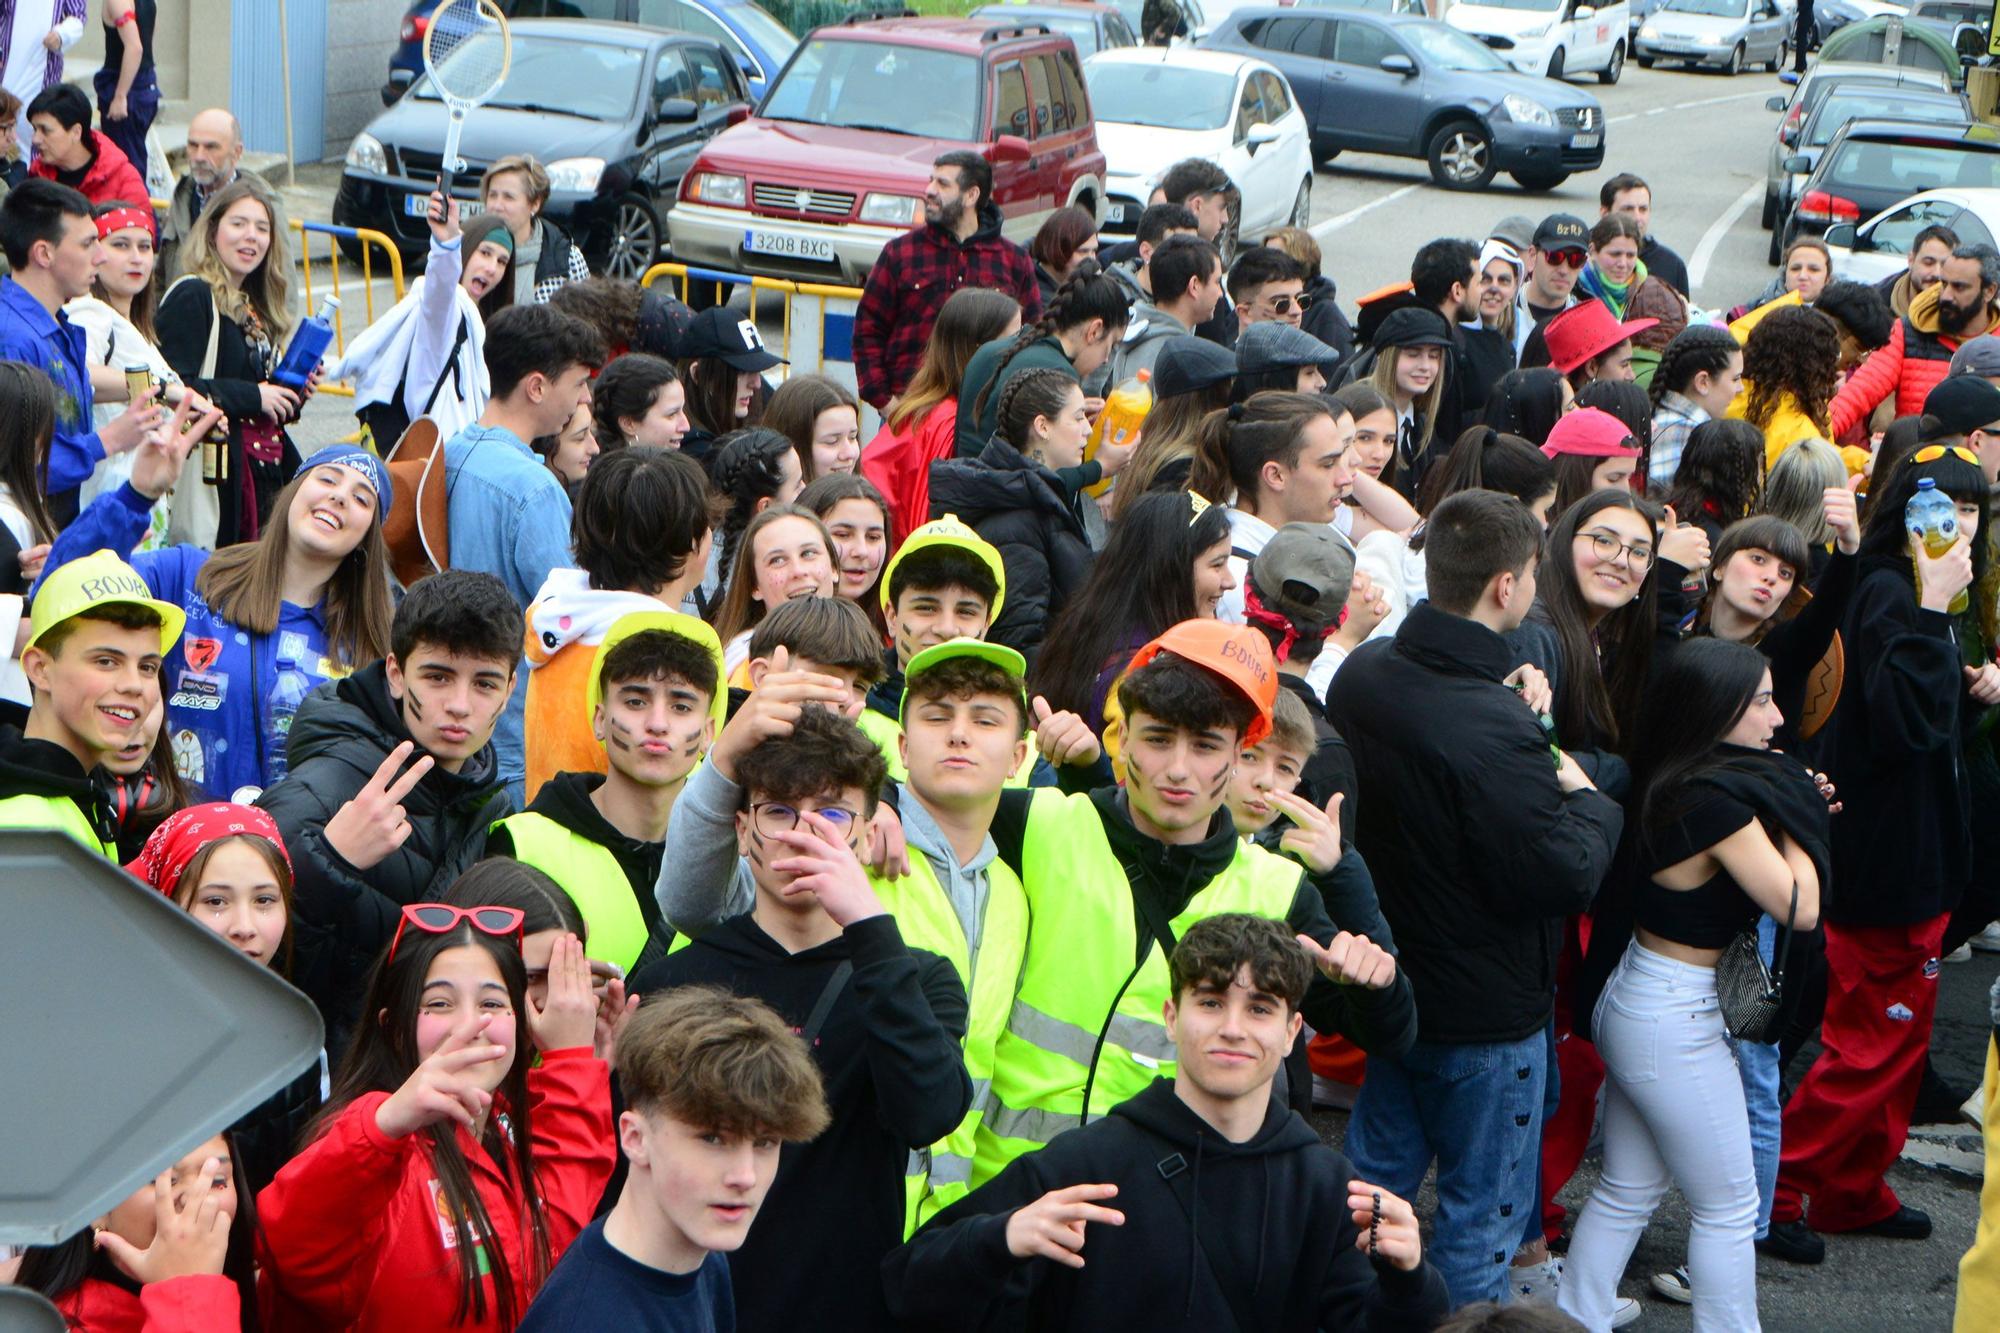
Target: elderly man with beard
(214,151)
(1957,308)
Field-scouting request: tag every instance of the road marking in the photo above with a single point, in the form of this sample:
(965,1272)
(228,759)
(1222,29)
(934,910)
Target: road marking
(1686,106)
(1322,230)
(1710,239)
(1958,1149)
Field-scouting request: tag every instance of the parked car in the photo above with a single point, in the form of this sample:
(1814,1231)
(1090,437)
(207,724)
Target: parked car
(1411,87)
(1413,7)
(614,110)
(1092,27)
(1821,78)
(1156,106)
(1556,38)
(1727,34)
(1880,247)
(758,43)
(835,162)
(1852,101)
(1872,164)
(1948,17)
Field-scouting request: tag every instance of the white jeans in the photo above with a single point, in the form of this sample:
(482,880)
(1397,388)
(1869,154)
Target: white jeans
(1673,1114)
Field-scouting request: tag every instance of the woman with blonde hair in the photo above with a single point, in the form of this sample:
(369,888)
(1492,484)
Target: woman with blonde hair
(1410,370)
(223,327)
(516,188)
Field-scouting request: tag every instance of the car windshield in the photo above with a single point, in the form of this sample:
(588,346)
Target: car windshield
(1841,107)
(765,32)
(1448,48)
(1164,97)
(559,78)
(1082,31)
(1910,168)
(868,85)
(1715,9)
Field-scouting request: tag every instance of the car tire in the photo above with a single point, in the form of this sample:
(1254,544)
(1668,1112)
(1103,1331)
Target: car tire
(1735,65)
(1460,154)
(1776,253)
(1770,218)
(1539,180)
(633,240)
(1302,205)
(1555,70)
(1609,74)
(1645,62)
(1778,60)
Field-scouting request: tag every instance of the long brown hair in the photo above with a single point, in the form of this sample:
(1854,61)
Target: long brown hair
(1172,430)
(147,299)
(711,395)
(245,585)
(738,610)
(794,411)
(268,289)
(1793,350)
(973,317)
(28,407)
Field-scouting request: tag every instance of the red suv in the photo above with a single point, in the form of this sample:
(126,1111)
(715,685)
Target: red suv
(834,164)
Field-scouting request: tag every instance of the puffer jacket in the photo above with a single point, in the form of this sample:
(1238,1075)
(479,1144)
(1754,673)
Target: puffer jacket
(1023,509)
(343,916)
(1917,357)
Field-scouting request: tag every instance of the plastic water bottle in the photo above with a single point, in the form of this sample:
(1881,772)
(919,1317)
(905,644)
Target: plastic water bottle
(308,346)
(288,691)
(1932,518)
(1124,412)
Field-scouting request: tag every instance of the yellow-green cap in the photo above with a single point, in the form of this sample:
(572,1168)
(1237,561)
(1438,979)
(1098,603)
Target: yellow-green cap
(670,622)
(97,580)
(949,531)
(998,654)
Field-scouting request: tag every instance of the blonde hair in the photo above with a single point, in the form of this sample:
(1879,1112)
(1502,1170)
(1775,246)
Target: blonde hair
(267,290)
(532,171)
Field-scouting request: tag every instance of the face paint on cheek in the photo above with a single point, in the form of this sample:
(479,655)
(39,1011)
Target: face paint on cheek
(1221,783)
(618,734)
(756,854)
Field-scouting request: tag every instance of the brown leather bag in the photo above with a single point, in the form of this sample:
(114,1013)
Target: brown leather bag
(416,526)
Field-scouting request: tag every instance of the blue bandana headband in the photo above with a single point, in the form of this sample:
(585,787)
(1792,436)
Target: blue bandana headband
(367,464)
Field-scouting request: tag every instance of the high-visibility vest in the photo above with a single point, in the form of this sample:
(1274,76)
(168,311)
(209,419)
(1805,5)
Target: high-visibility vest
(942,1174)
(886,732)
(593,879)
(28,811)
(1086,1019)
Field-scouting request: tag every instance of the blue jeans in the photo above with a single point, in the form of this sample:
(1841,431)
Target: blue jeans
(1757,1065)
(1476,1110)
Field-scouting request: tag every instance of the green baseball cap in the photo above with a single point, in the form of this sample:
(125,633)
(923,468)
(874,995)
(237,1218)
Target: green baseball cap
(998,654)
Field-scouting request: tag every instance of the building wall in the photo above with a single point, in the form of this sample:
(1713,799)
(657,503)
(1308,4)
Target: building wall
(361,36)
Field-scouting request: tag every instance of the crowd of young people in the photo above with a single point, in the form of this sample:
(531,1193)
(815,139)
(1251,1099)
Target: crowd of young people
(764,881)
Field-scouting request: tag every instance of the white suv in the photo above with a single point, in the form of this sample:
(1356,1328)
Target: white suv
(1556,38)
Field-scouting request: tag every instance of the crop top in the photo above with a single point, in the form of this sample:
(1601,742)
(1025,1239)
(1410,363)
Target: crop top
(1713,913)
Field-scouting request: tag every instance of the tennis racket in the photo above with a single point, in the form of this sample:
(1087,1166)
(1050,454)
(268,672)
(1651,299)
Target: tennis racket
(467,52)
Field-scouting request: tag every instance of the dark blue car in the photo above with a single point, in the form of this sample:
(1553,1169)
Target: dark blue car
(745,30)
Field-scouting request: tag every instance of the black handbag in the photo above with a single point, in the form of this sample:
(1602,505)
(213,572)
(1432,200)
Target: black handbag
(1749,993)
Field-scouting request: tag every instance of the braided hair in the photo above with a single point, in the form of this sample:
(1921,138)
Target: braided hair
(749,468)
(1083,298)
(1696,348)
(1031,394)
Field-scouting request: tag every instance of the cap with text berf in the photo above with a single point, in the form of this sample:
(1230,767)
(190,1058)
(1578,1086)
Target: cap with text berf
(1239,654)
(1562,231)
(97,581)
(725,335)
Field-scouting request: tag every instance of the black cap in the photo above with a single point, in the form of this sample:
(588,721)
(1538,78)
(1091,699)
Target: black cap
(729,336)
(1414,326)
(1187,363)
(1562,231)
(1963,404)
(663,322)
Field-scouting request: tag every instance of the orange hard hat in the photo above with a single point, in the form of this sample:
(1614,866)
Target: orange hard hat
(1240,654)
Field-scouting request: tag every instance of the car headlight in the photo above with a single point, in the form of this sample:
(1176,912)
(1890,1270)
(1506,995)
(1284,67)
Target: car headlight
(1648,31)
(365,154)
(892,210)
(1527,111)
(711,188)
(1536,32)
(577,175)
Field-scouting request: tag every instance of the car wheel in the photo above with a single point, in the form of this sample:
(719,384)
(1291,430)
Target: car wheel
(1461,156)
(1610,73)
(1770,218)
(1776,253)
(1540,180)
(1302,205)
(1556,64)
(1735,65)
(1645,62)
(633,241)
(1778,60)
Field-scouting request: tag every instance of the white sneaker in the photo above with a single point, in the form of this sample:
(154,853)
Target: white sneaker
(1626,1311)
(1962,954)
(1974,1108)
(1674,1286)
(1987,940)
(1534,1284)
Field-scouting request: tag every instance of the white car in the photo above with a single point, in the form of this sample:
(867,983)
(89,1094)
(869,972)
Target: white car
(1880,247)
(1157,105)
(1555,38)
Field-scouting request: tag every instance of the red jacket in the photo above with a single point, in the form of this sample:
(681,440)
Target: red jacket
(110,176)
(352,1234)
(198,1304)
(1913,362)
(900,465)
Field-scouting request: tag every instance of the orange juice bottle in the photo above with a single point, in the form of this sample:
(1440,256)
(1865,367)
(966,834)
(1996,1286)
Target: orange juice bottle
(1124,412)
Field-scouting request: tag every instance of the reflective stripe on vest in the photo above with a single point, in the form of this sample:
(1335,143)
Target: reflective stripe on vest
(1083,1013)
(938,1176)
(593,879)
(886,732)
(58,813)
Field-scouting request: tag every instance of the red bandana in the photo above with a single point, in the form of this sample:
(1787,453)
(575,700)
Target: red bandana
(166,854)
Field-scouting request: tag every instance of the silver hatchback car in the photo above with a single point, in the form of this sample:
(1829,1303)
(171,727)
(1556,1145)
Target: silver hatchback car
(1728,34)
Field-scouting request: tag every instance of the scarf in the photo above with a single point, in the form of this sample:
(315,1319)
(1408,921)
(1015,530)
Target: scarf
(1614,295)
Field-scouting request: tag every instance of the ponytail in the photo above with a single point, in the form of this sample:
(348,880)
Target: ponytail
(1236,442)
(1090,295)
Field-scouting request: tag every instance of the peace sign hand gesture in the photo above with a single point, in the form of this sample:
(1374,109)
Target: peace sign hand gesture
(373,824)
(446,1086)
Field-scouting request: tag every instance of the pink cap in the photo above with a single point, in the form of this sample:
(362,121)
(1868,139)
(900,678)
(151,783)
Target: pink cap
(1590,433)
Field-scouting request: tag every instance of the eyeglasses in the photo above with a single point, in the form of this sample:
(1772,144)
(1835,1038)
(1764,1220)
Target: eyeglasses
(1930,453)
(1565,258)
(1282,305)
(771,818)
(443,918)
(1606,547)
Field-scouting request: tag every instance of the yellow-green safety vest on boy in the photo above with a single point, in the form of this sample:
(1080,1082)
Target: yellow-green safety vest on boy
(59,813)
(886,732)
(942,1174)
(1084,1014)
(593,879)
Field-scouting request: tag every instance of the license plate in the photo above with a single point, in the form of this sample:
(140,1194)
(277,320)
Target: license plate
(784,245)
(417,205)
(1114,212)
(1583,141)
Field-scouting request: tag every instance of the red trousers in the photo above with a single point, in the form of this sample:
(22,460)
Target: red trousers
(1847,1122)
(1580,1073)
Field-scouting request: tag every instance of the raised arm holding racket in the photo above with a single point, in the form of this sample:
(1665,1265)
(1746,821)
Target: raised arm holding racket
(467,50)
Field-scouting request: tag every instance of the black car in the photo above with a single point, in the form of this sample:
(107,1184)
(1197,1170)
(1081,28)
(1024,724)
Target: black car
(616,112)
(1874,164)
(1413,87)
(1853,101)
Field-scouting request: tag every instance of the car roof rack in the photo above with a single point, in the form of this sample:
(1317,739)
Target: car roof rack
(872,14)
(1002,31)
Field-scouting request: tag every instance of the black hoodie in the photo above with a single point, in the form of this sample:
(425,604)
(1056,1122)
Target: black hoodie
(46,770)
(1254,1237)
(888,1050)
(565,800)
(343,917)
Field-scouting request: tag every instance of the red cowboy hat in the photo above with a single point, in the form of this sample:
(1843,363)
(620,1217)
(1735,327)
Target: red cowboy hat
(1585,330)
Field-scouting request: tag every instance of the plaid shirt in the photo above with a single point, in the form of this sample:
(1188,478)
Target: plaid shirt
(911,281)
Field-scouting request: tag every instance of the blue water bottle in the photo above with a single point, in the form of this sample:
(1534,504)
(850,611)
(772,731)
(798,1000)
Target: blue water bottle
(287,693)
(1932,518)
(308,346)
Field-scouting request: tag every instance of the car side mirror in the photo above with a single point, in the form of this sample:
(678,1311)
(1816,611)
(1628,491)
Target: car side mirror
(1798,164)
(1399,64)
(1841,234)
(678,111)
(1585,12)
(1012,148)
(1260,134)
(1774,103)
